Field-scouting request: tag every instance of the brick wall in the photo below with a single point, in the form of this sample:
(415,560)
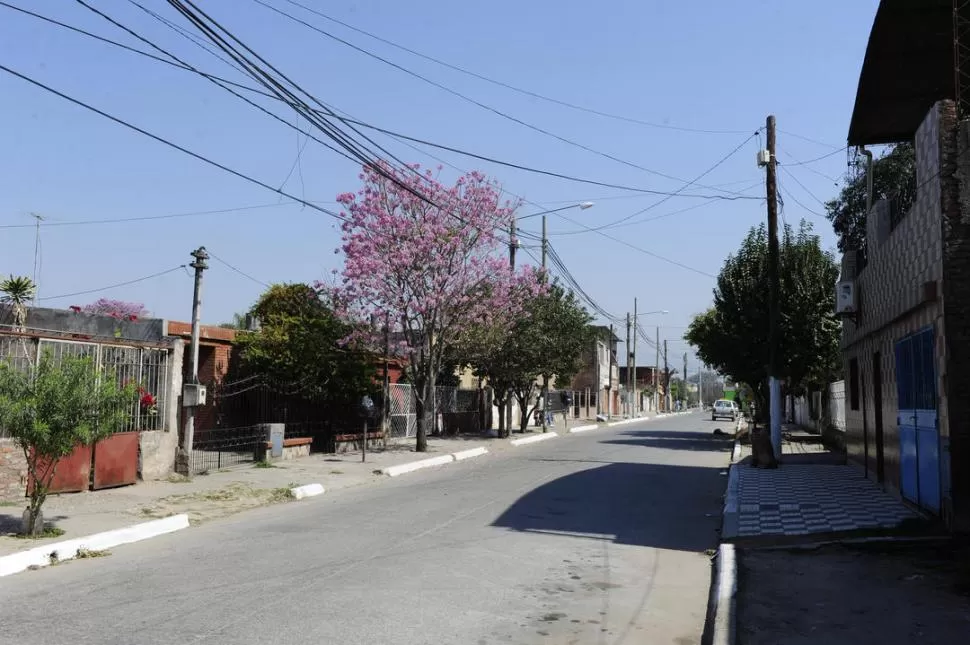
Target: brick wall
(13,471)
(890,291)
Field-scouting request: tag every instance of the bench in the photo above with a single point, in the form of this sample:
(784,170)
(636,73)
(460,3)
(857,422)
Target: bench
(354,438)
(292,448)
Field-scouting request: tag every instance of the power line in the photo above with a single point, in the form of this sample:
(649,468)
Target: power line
(114,286)
(810,193)
(512,87)
(351,121)
(685,186)
(811,140)
(796,200)
(464,96)
(149,217)
(637,248)
(170,144)
(237,270)
(825,156)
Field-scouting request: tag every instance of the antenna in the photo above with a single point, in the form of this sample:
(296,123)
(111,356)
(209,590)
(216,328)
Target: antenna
(39,218)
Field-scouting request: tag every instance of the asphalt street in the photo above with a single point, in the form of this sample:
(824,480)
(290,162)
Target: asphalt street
(597,538)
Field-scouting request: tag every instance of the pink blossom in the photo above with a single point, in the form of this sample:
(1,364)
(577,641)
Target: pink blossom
(433,269)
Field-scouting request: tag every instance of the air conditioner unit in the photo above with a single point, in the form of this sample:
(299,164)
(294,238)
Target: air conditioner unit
(845,298)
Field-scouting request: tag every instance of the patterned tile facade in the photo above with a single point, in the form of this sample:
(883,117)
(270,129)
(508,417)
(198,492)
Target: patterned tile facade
(893,304)
(802,500)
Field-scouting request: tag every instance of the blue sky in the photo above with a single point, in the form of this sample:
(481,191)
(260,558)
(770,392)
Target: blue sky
(702,65)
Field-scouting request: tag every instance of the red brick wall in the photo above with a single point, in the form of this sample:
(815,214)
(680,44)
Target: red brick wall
(13,471)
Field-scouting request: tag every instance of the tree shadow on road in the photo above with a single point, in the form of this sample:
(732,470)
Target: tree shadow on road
(656,505)
(676,440)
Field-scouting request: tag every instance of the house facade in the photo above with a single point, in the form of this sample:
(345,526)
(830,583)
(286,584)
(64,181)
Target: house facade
(905,297)
(600,374)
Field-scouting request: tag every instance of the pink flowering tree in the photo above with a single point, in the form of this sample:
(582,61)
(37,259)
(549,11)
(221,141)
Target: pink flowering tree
(116,309)
(428,260)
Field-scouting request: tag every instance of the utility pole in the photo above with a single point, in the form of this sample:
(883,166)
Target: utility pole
(656,369)
(198,263)
(633,377)
(686,393)
(385,409)
(513,245)
(774,288)
(629,370)
(609,373)
(666,380)
(545,243)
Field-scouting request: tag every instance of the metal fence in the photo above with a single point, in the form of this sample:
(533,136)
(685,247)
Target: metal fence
(217,448)
(403,411)
(456,410)
(147,367)
(231,428)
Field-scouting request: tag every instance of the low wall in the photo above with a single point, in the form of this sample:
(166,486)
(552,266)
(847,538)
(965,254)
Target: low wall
(13,471)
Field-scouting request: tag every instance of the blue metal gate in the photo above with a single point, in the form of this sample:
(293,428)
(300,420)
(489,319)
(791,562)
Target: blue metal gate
(919,437)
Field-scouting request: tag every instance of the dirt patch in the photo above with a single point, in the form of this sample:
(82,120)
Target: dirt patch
(211,504)
(863,594)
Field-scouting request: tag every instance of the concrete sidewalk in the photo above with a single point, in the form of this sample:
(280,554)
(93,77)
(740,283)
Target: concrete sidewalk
(220,493)
(812,492)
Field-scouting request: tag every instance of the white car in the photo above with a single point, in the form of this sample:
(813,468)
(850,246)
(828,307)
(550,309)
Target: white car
(725,409)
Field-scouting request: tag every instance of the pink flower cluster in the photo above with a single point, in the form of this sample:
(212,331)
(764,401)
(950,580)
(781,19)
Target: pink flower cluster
(432,258)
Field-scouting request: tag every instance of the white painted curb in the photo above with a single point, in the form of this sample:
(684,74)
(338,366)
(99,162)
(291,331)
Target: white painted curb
(309,490)
(533,439)
(67,549)
(726,587)
(626,421)
(583,429)
(400,469)
(468,454)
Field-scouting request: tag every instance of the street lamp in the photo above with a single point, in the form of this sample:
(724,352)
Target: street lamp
(513,244)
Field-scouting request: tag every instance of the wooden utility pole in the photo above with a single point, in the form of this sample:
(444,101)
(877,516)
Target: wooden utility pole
(774,293)
(633,377)
(190,403)
(666,380)
(629,370)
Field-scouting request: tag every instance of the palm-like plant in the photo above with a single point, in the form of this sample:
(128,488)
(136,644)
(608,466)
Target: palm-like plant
(17,291)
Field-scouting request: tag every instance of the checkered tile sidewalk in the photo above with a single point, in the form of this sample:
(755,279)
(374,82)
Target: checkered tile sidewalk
(804,499)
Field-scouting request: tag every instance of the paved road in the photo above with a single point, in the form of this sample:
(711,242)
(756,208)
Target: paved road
(588,539)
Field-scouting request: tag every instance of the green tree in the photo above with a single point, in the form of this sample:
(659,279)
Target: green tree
(546,342)
(893,174)
(732,336)
(51,409)
(300,343)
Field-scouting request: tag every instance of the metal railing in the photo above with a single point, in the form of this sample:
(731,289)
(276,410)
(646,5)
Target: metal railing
(146,367)
(217,448)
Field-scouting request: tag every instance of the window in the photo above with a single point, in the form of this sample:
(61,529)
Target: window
(854,384)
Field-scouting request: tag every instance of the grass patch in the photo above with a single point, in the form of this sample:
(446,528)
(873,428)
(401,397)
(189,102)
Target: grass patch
(175,478)
(281,495)
(336,472)
(264,464)
(84,553)
(48,532)
(5,504)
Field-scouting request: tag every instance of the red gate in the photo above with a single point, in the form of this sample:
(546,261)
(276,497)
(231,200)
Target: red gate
(114,462)
(73,472)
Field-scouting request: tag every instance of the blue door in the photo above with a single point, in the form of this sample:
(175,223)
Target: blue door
(919,439)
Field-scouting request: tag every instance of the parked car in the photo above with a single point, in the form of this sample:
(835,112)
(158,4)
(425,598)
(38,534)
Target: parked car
(725,409)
